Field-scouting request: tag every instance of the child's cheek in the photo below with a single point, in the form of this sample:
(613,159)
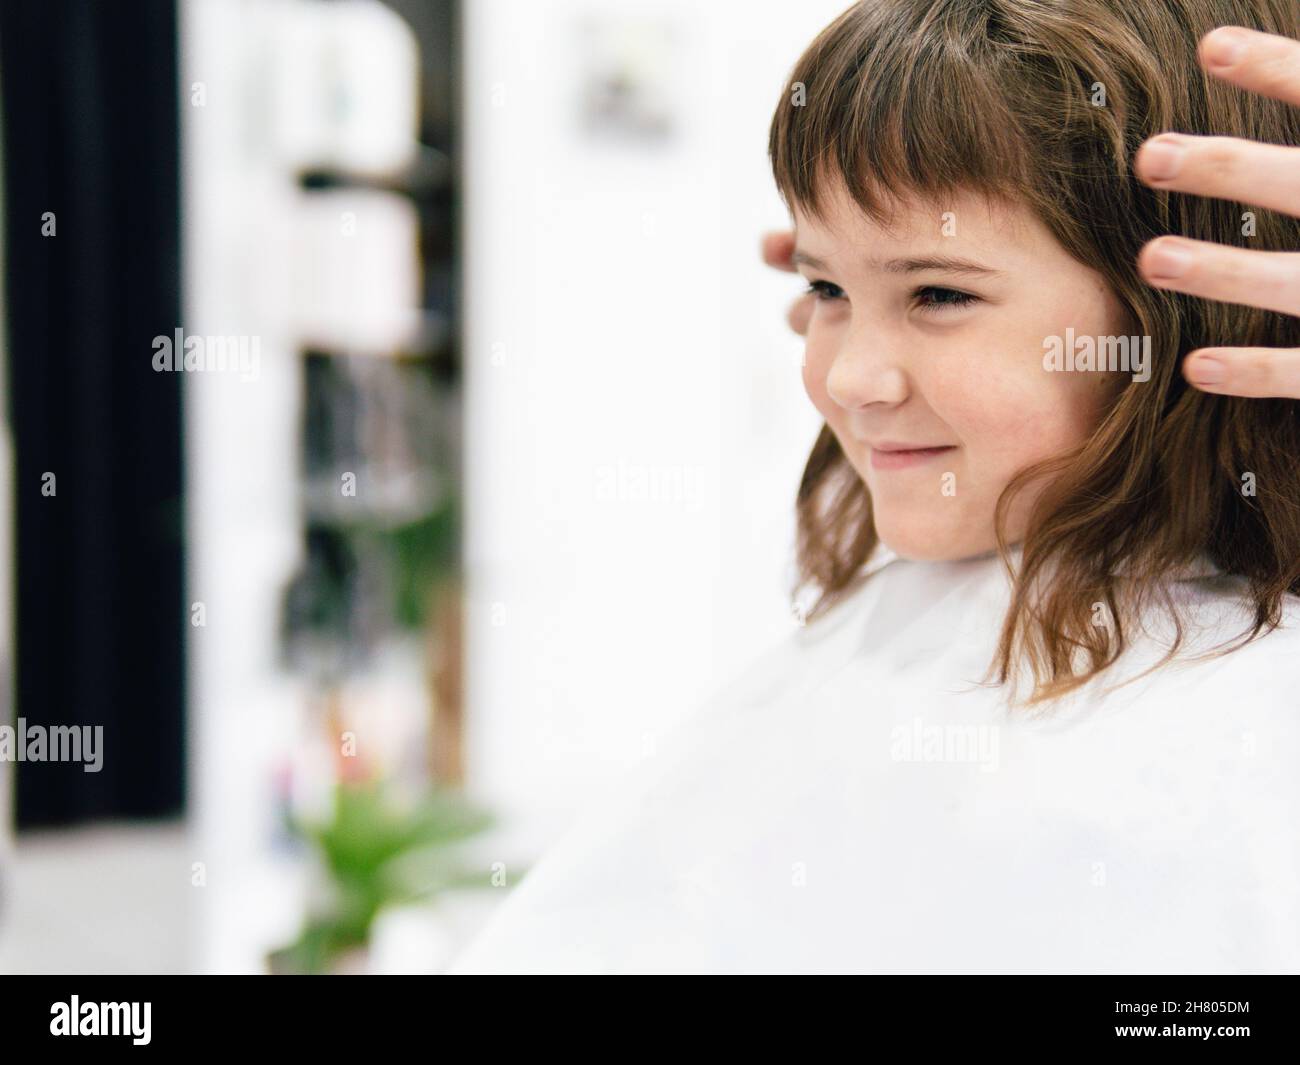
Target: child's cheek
(990,409)
(816,368)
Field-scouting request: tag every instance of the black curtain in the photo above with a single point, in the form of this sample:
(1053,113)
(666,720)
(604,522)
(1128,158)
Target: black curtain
(90,126)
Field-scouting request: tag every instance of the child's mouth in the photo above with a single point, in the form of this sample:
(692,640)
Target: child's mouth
(897,457)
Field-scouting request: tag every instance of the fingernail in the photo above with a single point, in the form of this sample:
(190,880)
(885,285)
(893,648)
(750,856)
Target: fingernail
(1225,47)
(1162,159)
(1206,370)
(1168,260)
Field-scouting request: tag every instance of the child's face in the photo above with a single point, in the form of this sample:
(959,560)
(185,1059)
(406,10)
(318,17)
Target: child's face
(897,359)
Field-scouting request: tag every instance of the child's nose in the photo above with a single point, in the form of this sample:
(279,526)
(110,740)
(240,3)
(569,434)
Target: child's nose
(867,369)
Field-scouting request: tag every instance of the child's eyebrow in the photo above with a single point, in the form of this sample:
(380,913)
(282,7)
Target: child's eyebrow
(946,263)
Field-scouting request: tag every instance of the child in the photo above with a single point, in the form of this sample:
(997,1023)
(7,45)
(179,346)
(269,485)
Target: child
(1042,716)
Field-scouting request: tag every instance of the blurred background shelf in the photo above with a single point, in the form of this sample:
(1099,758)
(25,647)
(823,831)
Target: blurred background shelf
(507,495)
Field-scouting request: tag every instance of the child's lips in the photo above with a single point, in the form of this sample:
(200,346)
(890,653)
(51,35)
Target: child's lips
(898,457)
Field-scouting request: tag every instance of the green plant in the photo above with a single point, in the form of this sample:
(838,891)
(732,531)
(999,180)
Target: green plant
(378,852)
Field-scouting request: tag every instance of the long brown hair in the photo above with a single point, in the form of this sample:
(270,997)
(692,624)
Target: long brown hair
(1044,103)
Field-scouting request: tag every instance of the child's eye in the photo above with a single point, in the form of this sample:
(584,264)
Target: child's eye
(824,290)
(945,297)
(931,297)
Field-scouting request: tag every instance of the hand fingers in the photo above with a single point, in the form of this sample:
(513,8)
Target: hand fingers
(1258,373)
(778,246)
(1267,279)
(800,314)
(1245,172)
(1229,168)
(1261,62)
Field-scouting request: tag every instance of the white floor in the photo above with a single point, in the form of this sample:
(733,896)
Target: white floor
(119,899)
(100,900)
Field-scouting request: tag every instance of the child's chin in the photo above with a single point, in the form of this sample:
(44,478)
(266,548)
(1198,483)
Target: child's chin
(924,544)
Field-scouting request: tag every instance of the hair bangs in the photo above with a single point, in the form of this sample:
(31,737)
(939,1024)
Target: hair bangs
(899,102)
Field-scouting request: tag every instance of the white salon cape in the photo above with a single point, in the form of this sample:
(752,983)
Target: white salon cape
(857,803)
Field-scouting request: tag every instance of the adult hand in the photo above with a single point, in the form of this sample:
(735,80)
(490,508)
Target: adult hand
(1244,171)
(777,249)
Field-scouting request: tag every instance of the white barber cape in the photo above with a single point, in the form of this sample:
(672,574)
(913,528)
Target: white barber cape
(856,803)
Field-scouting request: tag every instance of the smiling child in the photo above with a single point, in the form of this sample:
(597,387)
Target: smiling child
(1042,715)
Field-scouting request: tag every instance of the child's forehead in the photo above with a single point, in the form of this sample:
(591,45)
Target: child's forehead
(917,217)
(959,236)
(880,206)
(904,218)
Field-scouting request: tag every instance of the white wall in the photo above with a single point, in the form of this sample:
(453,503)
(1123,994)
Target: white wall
(619,322)
(241,482)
